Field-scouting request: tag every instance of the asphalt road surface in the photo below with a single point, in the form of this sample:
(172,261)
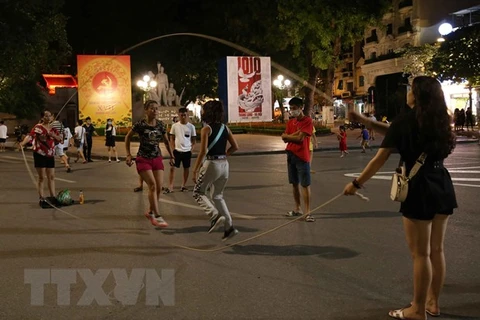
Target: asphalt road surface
(104,260)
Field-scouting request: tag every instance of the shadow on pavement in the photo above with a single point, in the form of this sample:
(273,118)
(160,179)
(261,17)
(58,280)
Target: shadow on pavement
(368,214)
(202,229)
(325,252)
(251,187)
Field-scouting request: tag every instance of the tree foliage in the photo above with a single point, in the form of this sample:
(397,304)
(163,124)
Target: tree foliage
(458,58)
(33,41)
(419,59)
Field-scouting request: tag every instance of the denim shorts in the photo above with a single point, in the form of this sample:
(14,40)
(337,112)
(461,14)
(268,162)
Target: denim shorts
(298,170)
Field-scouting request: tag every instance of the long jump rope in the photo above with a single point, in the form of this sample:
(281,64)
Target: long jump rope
(247,51)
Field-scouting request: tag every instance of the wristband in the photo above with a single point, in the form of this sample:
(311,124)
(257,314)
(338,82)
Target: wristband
(356,184)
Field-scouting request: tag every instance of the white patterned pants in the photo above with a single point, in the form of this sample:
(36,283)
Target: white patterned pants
(208,191)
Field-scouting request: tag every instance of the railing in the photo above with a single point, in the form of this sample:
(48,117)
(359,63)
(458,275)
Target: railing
(383,57)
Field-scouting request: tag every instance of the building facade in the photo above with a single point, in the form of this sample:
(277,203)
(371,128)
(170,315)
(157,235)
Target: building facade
(375,82)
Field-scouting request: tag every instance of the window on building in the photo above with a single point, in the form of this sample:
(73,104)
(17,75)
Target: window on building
(361,81)
(373,55)
(389,51)
(389,29)
(407,22)
(350,66)
(340,85)
(350,86)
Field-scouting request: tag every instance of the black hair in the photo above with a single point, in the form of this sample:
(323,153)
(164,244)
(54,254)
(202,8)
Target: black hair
(42,114)
(435,132)
(2,122)
(148,103)
(88,118)
(182,110)
(64,123)
(296,101)
(212,112)
(80,122)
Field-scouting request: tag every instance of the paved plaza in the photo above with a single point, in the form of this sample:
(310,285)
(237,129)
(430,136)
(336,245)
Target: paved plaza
(352,263)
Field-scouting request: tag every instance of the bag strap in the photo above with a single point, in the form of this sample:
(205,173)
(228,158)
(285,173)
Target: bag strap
(220,131)
(418,164)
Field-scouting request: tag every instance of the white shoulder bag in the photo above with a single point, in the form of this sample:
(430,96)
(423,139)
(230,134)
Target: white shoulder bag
(400,181)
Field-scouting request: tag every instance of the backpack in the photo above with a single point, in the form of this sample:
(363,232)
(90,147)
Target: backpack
(64,198)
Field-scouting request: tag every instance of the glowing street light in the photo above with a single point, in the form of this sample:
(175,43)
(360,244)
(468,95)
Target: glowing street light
(146,85)
(444,29)
(281,82)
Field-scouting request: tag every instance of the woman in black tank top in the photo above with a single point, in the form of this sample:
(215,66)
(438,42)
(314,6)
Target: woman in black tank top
(215,169)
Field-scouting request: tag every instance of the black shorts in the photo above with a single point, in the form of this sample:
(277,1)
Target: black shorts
(3,140)
(182,157)
(43,161)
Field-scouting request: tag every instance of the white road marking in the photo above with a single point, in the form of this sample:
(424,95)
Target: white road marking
(65,180)
(388,176)
(186,205)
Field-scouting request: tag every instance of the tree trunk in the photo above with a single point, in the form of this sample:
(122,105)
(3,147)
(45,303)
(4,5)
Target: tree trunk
(313,73)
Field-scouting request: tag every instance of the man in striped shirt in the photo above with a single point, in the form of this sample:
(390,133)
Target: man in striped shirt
(59,146)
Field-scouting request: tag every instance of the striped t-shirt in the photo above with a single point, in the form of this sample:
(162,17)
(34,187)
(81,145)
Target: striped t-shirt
(58,126)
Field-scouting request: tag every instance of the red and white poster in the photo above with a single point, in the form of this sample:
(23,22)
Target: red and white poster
(249,89)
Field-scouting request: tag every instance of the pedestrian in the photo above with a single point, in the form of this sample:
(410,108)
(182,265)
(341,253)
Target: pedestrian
(431,196)
(59,145)
(342,139)
(110,133)
(149,159)
(44,137)
(182,139)
(211,169)
(461,119)
(89,133)
(79,141)
(3,135)
(469,120)
(365,138)
(297,136)
(67,141)
(371,132)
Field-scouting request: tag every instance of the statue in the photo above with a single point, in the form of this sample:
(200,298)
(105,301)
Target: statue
(162,85)
(171,96)
(152,93)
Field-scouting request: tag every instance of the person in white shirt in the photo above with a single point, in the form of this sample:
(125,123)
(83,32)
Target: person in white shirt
(79,140)
(182,140)
(370,130)
(3,135)
(110,133)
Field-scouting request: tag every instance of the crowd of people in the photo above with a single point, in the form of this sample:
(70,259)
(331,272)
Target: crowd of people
(423,130)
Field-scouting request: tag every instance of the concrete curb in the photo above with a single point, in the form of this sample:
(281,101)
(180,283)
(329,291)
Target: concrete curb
(250,153)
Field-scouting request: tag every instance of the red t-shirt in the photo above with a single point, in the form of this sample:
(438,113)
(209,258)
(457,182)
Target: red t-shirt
(42,143)
(300,149)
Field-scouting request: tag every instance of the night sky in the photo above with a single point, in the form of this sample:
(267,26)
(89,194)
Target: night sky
(108,27)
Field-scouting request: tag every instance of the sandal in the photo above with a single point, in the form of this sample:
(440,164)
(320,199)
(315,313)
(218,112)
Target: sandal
(309,218)
(167,191)
(183,189)
(138,189)
(396,314)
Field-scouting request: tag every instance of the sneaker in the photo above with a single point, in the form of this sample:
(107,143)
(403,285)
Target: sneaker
(309,218)
(109,161)
(183,189)
(230,233)
(293,214)
(118,160)
(216,223)
(138,189)
(69,169)
(167,191)
(156,221)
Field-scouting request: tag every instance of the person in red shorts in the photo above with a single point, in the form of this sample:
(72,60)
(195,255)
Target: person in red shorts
(297,136)
(149,159)
(43,137)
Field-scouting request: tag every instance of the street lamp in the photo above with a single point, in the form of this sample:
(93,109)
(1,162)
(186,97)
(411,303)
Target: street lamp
(147,84)
(281,84)
(444,29)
